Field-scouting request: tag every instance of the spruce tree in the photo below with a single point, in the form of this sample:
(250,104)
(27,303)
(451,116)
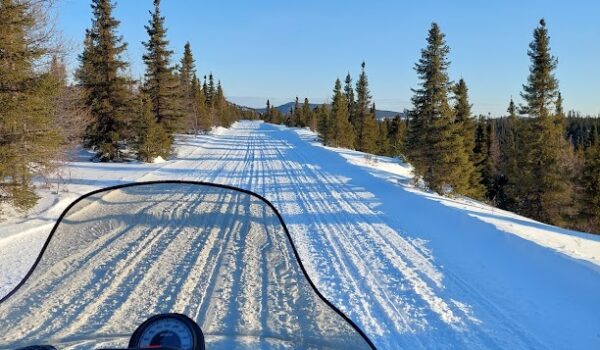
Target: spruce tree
(366,128)
(222,110)
(211,92)
(434,143)
(589,204)
(546,164)
(268,117)
(297,113)
(323,116)
(151,139)
(340,132)
(187,66)
(276,116)
(161,83)
(466,128)
(205,92)
(28,137)
(349,93)
(306,113)
(188,86)
(383,141)
(397,132)
(488,153)
(202,121)
(101,74)
(511,149)
(314,119)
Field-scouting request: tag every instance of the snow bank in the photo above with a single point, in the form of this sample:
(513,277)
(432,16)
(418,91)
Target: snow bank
(158,160)
(578,245)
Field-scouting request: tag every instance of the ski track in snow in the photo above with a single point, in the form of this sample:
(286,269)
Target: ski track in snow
(413,273)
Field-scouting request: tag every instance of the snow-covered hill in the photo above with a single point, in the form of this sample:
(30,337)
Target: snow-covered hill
(413,269)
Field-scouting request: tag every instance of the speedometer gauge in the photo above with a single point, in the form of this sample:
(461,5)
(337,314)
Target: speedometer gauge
(174,331)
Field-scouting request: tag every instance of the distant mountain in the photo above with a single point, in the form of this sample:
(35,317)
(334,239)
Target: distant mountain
(287,107)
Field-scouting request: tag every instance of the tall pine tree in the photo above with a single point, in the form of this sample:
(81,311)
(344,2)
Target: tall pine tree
(268,116)
(466,128)
(200,112)
(383,141)
(189,87)
(366,125)
(487,151)
(349,94)
(297,114)
(511,149)
(210,91)
(589,213)
(28,137)
(323,117)
(151,139)
(101,74)
(435,146)
(340,133)
(222,110)
(397,132)
(306,113)
(161,84)
(546,164)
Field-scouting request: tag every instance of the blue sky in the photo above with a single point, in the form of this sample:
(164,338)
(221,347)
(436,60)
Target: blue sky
(278,49)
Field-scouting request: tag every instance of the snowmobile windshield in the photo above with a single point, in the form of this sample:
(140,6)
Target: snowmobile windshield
(219,255)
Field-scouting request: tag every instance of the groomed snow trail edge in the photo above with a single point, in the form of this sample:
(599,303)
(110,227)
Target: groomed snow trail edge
(412,269)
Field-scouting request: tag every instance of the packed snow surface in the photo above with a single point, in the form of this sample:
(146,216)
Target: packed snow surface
(411,268)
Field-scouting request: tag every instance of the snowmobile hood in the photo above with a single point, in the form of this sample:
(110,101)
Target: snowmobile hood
(220,255)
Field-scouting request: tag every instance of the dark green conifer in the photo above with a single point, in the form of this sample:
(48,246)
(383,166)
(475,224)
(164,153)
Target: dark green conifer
(487,150)
(589,204)
(547,195)
(222,110)
(296,113)
(349,93)
(366,127)
(161,83)
(323,116)
(306,114)
(268,117)
(340,132)
(434,142)
(187,66)
(466,129)
(211,92)
(205,93)
(28,137)
(397,132)
(383,141)
(202,122)
(151,140)
(189,88)
(511,149)
(101,74)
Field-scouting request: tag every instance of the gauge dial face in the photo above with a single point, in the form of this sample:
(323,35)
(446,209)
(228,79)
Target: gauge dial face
(166,332)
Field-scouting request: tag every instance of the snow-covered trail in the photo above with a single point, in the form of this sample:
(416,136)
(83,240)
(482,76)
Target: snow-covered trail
(412,271)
